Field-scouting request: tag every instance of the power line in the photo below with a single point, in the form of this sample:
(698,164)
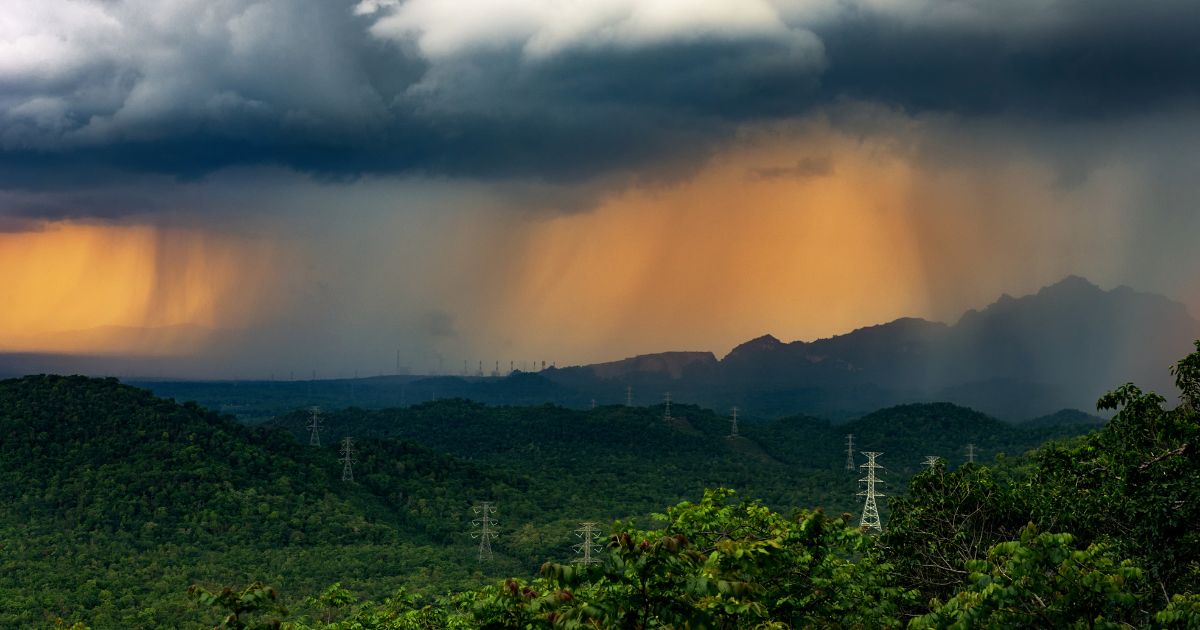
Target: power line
(629,395)
(314,426)
(347,459)
(733,429)
(483,529)
(850,452)
(870,514)
(584,550)
(667,408)
(930,461)
(970,453)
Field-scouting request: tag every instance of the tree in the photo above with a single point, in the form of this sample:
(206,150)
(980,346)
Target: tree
(947,520)
(713,564)
(1133,484)
(240,607)
(1043,580)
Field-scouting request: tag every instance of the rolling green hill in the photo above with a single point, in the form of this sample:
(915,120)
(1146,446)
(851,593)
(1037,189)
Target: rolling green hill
(630,460)
(113,501)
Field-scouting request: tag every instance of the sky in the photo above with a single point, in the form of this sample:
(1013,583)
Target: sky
(248,187)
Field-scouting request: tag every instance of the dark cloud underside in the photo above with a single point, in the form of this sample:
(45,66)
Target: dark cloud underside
(338,102)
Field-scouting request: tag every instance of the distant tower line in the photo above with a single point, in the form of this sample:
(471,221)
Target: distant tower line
(667,407)
(347,459)
(870,513)
(584,550)
(970,453)
(733,428)
(483,529)
(930,461)
(850,452)
(593,404)
(629,395)
(314,426)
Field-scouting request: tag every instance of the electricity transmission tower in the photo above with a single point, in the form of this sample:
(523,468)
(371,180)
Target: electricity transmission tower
(733,424)
(667,408)
(347,459)
(584,550)
(483,529)
(629,395)
(850,452)
(971,453)
(870,513)
(930,461)
(314,426)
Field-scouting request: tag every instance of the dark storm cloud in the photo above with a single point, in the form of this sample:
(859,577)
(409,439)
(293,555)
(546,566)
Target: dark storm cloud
(1094,59)
(102,91)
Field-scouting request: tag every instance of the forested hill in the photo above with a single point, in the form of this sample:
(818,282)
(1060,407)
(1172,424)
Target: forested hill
(1093,532)
(635,454)
(113,501)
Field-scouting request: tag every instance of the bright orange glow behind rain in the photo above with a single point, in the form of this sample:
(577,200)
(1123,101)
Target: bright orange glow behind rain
(136,289)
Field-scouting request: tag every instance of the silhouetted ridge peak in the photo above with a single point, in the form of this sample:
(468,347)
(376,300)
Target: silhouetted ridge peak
(1071,283)
(758,344)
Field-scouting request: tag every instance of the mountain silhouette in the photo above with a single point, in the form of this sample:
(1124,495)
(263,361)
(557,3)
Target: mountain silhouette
(1017,358)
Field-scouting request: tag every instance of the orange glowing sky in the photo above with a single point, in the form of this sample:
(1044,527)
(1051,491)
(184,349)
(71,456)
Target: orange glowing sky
(799,232)
(90,288)
(796,230)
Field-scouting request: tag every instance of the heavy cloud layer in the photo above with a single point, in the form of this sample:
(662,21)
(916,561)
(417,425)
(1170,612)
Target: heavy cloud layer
(92,91)
(324,182)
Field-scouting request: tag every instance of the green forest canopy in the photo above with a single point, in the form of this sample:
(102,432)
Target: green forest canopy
(115,501)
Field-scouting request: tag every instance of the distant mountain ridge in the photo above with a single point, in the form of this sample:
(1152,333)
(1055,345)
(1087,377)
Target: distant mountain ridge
(1018,357)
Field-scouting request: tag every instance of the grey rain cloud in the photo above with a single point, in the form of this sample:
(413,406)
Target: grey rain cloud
(92,92)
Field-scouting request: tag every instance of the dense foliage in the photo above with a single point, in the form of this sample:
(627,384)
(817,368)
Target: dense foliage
(642,462)
(114,502)
(972,547)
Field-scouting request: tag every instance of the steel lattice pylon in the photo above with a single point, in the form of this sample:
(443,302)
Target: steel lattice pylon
(870,514)
(484,529)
